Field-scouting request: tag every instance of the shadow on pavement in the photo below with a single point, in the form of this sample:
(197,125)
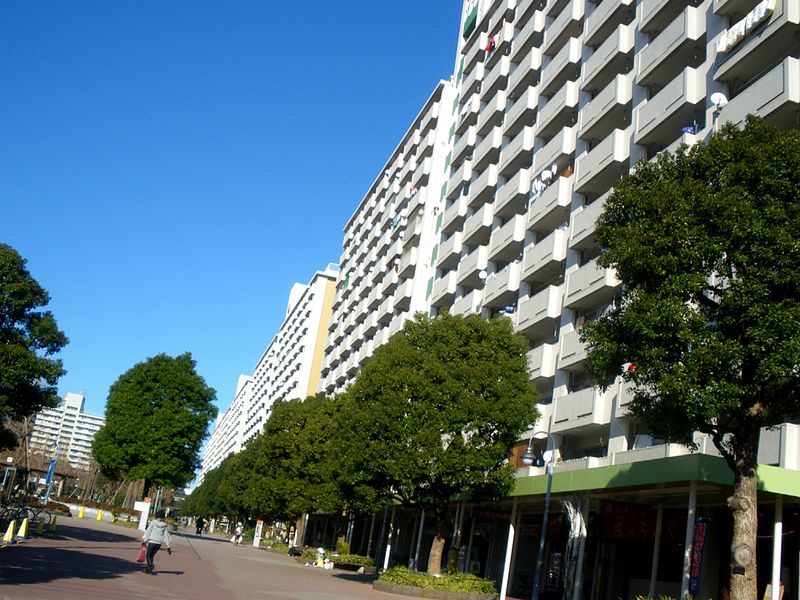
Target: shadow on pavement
(356,577)
(36,565)
(94,535)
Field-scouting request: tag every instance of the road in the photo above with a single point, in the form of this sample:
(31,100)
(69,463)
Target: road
(85,560)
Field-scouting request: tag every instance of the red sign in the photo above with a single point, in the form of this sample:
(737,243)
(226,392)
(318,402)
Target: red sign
(627,521)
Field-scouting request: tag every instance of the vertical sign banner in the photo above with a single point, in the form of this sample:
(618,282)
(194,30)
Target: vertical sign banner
(51,470)
(698,545)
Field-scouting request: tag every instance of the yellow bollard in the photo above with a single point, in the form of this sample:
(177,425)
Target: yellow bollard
(22,534)
(81,511)
(52,527)
(8,538)
(99,515)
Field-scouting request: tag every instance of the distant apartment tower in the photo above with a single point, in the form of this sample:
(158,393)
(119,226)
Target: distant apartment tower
(288,369)
(387,265)
(68,429)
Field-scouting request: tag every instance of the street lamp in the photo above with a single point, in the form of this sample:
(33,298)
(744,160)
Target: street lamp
(529,459)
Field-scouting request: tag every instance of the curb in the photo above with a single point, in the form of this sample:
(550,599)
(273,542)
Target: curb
(418,592)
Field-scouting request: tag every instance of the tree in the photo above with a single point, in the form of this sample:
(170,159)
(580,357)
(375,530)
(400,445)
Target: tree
(27,338)
(434,413)
(708,329)
(157,416)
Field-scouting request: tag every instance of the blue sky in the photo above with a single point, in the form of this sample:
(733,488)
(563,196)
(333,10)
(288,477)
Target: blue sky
(169,169)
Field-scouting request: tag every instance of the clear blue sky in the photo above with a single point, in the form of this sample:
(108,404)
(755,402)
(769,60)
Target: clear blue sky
(169,169)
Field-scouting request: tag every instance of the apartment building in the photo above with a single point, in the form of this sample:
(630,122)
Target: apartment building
(387,260)
(67,431)
(556,100)
(289,368)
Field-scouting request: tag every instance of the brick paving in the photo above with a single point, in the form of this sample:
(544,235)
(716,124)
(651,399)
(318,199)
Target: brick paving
(88,560)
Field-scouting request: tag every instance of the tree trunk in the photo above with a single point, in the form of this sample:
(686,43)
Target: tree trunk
(573,509)
(744,507)
(437,546)
(146,488)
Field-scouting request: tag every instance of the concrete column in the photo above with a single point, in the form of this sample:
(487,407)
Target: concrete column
(687,547)
(509,550)
(651,593)
(777,547)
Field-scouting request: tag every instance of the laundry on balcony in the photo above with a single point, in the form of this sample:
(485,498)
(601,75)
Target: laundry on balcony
(692,129)
(491,44)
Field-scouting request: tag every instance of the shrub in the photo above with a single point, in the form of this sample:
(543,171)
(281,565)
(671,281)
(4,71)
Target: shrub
(460,582)
(342,547)
(354,559)
(53,506)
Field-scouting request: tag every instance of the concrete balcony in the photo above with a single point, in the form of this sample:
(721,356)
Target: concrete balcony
(582,411)
(542,362)
(613,57)
(774,96)
(607,110)
(385,311)
(565,26)
(468,304)
(558,151)
(660,119)
(488,150)
(605,17)
(450,251)
(538,315)
(544,260)
(521,113)
(373,298)
(468,113)
(408,262)
(573,351)
(411,142)
(512,197)
(492,114)
(402,296)
(470,267)
(389,283)
(426,145)
(454,214)
(517,153)
(499,11)
(478,226)
(465,144)
(551,208)
(474,52)
(429,119)
(505,244)
(482,189)
(745,59)
(497,78)
(681,43)
(732,7)
(502,36)
(444,290)
(655,15)
(590,286)
(471,83)
(459,178)
(501,289)
(561,110)
(371,324)
(602,167)
(564,66)
(422,173)
(528,37)
(525,74)
(584,223)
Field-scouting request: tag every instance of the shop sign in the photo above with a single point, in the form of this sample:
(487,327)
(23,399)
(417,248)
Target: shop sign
(698,545)
(470,17)
(732,36)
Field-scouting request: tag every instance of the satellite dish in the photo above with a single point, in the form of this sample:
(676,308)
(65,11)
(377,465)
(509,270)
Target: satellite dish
(719,99)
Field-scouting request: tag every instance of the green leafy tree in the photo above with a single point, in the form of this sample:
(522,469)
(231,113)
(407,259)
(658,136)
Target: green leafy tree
(708,330)
(434,413)
(157,416)
(292,460)
(27,338)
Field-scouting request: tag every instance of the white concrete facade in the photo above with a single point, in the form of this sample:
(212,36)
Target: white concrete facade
(67,428)
(387,268)
(556,100)
(227,436)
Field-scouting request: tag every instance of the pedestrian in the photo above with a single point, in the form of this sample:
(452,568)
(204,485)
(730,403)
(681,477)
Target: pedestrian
(237,535)
(155,536)
(200,523)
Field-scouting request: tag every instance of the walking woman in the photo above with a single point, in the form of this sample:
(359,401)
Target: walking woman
(155,536)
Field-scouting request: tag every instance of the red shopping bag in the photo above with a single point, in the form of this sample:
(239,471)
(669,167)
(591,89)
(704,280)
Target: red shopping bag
(140,556)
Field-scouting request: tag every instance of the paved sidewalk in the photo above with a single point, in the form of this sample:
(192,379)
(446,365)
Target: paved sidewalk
(87,560)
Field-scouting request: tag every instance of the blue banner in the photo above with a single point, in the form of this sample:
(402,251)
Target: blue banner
(51,470)
(698,545)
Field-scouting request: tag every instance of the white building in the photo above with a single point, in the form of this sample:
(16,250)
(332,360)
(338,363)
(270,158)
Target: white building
(288,369)
(387,266)
(67,428)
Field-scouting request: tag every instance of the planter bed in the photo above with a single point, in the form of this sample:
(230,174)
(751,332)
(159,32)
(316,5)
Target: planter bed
(418,592)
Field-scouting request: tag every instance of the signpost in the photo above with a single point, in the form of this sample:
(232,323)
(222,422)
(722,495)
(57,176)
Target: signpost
(144,508)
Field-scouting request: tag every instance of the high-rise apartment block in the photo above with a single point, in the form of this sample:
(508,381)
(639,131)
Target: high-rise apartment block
(66,432)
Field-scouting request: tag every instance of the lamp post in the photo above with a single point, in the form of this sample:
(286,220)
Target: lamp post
(529,459)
